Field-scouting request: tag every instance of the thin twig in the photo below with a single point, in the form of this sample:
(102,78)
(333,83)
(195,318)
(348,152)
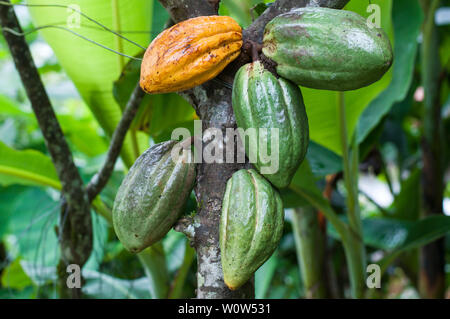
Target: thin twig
(99,180)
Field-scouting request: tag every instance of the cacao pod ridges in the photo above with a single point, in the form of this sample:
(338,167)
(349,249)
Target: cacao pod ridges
(263,102)
(327,49)
(152,196)
(190,53)
(251,226)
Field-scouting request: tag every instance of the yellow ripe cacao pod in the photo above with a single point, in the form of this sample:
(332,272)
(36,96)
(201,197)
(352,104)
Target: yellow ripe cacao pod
(190,53)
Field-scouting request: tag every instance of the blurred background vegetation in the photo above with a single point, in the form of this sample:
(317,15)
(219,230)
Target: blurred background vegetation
(89,87)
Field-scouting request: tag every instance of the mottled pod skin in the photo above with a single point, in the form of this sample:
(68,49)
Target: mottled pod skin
(190,53)
(152,196)
(260,100)
(328,49)
(251,226)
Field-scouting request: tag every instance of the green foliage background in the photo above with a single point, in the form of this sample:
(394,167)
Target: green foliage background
(89,87)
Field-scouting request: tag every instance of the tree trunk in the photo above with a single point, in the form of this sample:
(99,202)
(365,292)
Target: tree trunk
(214,108)
(212,102)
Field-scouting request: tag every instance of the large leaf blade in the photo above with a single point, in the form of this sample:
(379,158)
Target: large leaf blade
(94,69)
(395,235)
(28,167)
(407,22)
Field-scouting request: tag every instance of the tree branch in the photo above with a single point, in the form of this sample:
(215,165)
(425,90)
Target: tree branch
(72,185)
(215,4)
(76,225)
(98,182)
(181,10)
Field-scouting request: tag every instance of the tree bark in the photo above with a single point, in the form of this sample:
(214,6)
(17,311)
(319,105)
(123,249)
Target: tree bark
(213,105)
(99,180)
(75,229)
(212,102)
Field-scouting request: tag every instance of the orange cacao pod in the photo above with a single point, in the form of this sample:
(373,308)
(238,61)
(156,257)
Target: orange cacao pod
(190,53)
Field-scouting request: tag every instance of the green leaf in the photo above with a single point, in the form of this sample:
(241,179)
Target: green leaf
(33,216)
(407,22)
(303,191)
(97,284)
(404,235)
(169,111)
(27,167)
(179,282)
(103,286)
(396,236)
(14,277)
(174,247)
(239,10)
(6,193)
(322,160)
(321,105)
(39,274)
(9,107)
(93,69)
(81,131)
(243,11)
(27,293)
(154,262)
(406,205)
(157,113)
(166,133)
(264,275)
(83,134)
(259,9)
(160,18)
(303,180)
(125,84)
(101,229)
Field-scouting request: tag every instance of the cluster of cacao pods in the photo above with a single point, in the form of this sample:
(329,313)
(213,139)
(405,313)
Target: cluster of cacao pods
(152,196)
(313,47)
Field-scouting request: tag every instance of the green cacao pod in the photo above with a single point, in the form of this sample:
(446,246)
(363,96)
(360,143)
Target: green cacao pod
(251,225)
(328,49)
(152,196)
(261,101)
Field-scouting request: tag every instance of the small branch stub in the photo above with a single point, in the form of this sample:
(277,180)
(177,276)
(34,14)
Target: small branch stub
(185,225)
